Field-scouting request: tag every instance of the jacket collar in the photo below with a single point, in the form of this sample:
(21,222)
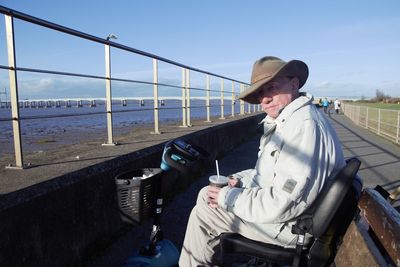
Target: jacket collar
(303,100)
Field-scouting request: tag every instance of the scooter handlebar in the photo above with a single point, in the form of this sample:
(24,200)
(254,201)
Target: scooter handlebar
(181,156)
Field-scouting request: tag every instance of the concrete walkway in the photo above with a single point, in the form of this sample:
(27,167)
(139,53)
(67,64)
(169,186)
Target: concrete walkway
(380,158)
(380,165)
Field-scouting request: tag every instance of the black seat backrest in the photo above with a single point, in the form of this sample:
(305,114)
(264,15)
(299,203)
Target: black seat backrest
(319,216)
(331,213)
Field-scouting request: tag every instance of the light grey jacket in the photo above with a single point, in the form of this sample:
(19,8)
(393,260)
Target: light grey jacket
(294,161)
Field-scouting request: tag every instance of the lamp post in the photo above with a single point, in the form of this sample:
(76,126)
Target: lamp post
(110,141)
(111,36)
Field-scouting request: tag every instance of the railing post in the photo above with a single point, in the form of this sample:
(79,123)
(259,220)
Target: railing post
(222,100)
(110,141)
(12,74)
(208,98)
(183,98)
(352,113)
(379,121)
(155,96)
(398,127)
(233,99)
(189,124)
(348,111)
(366,118)
(241,101)
(357,115)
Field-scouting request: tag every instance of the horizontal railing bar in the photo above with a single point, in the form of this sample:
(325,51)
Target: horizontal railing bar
(57,27)
(74,115)
(104,78)
(133,110)
(211,90)
(144,82)
(115,100)
(54,72)
(56,116)
(177,108)
(168,85)
(197,107)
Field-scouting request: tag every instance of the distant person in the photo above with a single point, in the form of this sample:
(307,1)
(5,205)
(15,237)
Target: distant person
(337,105)
(319,102)
(325,104)
(330,107)
(299,150)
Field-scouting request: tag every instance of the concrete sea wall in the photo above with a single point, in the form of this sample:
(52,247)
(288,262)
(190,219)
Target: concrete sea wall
(67,220)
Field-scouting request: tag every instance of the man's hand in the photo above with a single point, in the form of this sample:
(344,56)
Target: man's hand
(212,194)
(213,191)
(233,182)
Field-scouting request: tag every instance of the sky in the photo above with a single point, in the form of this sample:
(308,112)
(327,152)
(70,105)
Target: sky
(352,48)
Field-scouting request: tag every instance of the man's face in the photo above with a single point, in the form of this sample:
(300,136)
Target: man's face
(277,94)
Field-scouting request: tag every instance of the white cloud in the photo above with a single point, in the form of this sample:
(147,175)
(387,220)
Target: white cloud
(323,85)
(37,86)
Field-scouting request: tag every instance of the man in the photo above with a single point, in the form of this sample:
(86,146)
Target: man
(299,150)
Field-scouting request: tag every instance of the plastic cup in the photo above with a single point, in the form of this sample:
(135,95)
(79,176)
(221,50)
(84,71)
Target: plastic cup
(218,181)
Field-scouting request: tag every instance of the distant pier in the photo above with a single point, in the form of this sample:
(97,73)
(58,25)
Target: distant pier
(90,102)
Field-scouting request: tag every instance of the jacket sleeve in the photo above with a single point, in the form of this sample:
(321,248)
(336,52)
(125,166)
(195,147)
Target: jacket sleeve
(245,177)
(298,177)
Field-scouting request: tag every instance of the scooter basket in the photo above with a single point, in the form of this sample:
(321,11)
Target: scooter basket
(136,190)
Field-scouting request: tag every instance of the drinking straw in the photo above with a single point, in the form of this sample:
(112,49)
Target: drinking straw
(216,163)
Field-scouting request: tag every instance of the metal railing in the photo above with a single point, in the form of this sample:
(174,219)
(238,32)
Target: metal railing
(384,122)
(15,104)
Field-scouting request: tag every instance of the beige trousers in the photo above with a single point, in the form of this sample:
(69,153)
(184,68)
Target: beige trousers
(206,224)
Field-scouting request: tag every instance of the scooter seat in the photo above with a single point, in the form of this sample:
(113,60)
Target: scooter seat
(236,243)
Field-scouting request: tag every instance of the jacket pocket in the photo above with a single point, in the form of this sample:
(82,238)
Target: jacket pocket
(274,150)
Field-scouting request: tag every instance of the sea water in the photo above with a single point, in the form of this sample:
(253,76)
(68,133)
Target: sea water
(43,122)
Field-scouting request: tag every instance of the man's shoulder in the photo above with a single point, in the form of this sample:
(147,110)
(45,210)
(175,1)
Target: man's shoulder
(305,112)
(303,116)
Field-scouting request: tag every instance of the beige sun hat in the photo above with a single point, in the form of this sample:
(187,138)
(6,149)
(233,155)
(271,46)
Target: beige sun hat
(267,68)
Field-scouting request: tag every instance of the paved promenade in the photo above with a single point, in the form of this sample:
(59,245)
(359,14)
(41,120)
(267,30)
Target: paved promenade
(380,158)
(380,165)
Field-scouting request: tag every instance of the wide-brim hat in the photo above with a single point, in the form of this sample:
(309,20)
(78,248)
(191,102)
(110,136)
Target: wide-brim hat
(267,68)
